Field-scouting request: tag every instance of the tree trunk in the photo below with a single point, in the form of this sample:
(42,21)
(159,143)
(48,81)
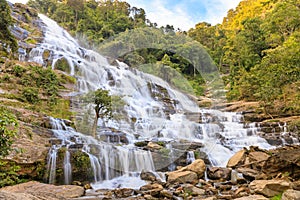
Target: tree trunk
(94,129)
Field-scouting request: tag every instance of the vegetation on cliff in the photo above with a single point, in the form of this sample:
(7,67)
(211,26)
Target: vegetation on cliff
(257,47)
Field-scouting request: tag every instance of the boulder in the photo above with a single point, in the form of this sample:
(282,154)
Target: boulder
(151,189)
(217,173)
(123,192)
(198,166)
(252,197)
(148,176)
(153,146)
(182,177)
(166,193)
(269,188)
(291,195)
(237,178)
(195,191)
(249,174)
(42,190)
(236,159)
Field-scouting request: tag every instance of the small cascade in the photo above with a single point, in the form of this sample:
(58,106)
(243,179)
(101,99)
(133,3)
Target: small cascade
(190,157)
(51,166)
(171,156)
(67,168)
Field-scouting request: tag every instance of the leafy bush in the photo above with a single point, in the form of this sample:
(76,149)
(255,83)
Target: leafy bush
(31,95)
(8,130)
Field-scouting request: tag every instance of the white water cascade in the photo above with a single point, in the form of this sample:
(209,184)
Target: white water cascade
(146,117)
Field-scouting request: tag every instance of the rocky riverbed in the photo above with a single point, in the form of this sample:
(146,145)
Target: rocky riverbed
(250,174)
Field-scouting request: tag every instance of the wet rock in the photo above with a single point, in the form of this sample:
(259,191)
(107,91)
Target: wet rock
(216,173)
(148,176)
(252,197)
(42,191)
(141,143)
(237,178)
(236,159)
(291,195)
(269,188)
(182,177)
(123,192)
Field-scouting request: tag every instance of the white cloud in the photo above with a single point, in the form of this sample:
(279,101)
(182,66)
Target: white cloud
(18,1)
(182,13)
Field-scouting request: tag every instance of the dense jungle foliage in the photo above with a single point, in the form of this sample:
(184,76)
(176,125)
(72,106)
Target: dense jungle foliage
(258,48)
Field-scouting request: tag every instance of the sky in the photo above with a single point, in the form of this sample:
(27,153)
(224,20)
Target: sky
(183,14)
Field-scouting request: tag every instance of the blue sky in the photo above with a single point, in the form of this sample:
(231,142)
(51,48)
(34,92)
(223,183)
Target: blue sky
(183,14)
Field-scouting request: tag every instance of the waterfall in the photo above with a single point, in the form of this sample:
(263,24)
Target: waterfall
(152,110)
(67,168)
(51,167)
(190,157)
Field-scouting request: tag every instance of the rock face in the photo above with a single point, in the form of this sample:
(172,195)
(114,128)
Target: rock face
(256,163)
(269,188)
(36,191)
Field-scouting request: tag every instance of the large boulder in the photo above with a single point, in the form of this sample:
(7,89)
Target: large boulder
(291,195)
(217,173)
(182,177)
(236,159)
(45,191)
(198,166)
(269,188)
(151,189)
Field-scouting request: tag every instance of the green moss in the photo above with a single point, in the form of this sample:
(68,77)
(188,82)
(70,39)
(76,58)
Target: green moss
(141,144)
(81,160)
(63,65)
(165,151)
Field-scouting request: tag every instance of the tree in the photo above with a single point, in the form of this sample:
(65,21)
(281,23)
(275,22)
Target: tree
(103,106)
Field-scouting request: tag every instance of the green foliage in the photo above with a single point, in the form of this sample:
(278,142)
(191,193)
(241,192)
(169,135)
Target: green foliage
(6,38)
(18,70)
(97,20)
(81,160)
(8,130)
(9,174)
(257,47)
(103,103)
(277,197)
(31,95)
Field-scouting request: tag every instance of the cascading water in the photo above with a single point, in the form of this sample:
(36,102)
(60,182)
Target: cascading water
(152,110)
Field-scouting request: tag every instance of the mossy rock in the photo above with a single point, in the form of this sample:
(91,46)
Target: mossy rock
(141,144)
(63,65)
